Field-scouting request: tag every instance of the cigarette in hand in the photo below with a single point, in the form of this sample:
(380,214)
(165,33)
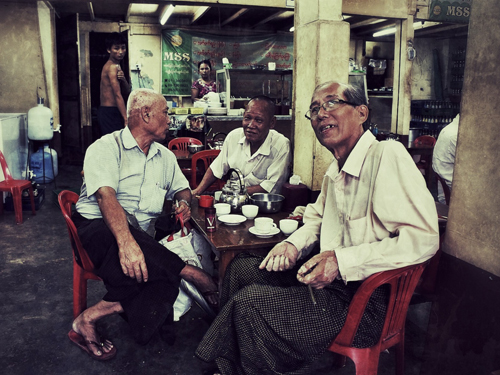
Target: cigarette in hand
(309,286)
(312,294)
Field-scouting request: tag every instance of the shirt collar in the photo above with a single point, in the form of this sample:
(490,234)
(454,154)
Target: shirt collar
(129,142)
(357,156)
(128,139)
(264,149)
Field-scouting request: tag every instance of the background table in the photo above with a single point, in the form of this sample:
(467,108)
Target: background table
(230,240)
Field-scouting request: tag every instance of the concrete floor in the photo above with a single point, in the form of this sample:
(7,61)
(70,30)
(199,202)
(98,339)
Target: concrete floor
(36,309)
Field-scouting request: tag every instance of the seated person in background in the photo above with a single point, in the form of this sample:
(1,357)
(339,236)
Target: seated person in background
(128,177)
(202,86)
(443,156)
(374,213)
(259,152)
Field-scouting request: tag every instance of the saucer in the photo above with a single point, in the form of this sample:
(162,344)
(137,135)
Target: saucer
(232,219)
(273,232)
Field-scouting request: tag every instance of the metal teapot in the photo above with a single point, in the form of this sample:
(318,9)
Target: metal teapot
(234,192)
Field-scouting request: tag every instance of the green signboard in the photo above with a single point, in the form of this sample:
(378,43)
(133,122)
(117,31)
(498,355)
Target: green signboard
(182,51)
(457,11)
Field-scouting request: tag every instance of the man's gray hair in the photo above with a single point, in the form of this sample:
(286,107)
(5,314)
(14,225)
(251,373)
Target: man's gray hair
(139,98)
(353,94)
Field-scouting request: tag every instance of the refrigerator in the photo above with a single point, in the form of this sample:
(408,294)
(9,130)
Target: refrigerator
(14,143)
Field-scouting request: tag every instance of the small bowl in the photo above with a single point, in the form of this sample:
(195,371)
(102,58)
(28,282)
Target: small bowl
(206,201)
(250,211)
(222,209)
(288,226)
(195,148)
(268,203)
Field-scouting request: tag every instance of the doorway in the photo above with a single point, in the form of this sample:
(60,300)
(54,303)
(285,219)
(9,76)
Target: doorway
(98,55)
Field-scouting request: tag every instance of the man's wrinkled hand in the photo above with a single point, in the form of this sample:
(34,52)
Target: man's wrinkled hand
(133,262)
(282,257)
(319,271)
(183,209)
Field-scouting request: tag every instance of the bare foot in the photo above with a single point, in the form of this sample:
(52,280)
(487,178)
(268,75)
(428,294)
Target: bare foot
(85,327)
(202,281)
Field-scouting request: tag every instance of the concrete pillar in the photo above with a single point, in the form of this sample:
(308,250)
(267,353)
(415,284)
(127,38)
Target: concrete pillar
(321,50)
(401,110)
(472,233)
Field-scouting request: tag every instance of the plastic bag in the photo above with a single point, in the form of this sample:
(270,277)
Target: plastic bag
(183,243)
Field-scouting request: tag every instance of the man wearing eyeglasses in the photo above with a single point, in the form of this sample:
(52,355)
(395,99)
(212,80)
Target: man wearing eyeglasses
(374,213)
(260,153)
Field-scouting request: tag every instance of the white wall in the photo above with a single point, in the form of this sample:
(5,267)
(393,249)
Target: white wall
(146,51)
(422,72)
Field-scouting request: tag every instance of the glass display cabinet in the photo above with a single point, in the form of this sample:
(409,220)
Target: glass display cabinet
(237,86)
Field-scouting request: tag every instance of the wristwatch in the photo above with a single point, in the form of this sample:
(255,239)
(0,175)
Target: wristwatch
(185,201)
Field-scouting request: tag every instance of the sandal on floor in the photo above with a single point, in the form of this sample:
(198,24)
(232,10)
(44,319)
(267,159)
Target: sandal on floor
(80,341)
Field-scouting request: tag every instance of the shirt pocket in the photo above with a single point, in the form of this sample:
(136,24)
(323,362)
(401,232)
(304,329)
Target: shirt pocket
(157,200)
(357,232)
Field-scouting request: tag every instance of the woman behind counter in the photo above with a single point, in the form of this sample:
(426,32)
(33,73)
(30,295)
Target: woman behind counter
(205,84)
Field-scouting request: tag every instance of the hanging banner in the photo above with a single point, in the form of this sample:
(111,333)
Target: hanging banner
(182,51)
(457,11)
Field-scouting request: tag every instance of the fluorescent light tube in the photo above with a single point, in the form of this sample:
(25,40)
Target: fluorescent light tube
(167,12)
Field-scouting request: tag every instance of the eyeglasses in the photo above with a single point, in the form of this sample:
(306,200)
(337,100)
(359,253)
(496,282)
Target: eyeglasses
(328,106)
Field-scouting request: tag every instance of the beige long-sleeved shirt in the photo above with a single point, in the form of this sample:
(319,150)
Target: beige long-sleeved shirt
(376,213)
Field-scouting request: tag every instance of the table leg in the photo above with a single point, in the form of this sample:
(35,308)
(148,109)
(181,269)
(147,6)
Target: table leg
(226,257)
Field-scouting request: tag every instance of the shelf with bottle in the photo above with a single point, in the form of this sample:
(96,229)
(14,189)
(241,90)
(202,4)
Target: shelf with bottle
(431,109)
(458,54)
(418,119)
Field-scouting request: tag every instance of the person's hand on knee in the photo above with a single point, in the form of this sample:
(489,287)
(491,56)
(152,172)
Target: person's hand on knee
(282,257)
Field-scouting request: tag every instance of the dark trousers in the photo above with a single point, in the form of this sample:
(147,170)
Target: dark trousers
(146,305)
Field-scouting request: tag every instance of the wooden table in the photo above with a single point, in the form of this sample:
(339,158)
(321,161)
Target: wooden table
(231,240)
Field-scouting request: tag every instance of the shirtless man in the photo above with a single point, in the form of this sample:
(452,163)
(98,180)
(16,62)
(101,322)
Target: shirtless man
(112,114)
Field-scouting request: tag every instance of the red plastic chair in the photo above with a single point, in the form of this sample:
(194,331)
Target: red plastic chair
(402,282)
(207,156)
(181,143)
(16,188)
(425,140)
(66,200)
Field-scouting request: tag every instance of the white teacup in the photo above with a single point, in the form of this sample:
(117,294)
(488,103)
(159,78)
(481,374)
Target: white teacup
(250,210)
(288,226)
(264,224)
(222,209)
(217,195)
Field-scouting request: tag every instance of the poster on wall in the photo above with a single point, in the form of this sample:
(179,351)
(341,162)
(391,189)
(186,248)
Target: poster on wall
(182,51)
(450,11)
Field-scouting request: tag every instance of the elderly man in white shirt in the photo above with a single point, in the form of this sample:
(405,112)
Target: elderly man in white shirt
(374,213)
(443,155)
(128,177)
(256,149)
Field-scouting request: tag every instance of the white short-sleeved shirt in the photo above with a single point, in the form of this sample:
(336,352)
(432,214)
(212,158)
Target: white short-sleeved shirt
(376,212)
(443,155)
(142,182)
(267,167)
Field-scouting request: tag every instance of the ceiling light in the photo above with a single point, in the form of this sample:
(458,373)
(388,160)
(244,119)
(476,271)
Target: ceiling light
(391,30)
(167,12)
(292,29)
(416,26)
